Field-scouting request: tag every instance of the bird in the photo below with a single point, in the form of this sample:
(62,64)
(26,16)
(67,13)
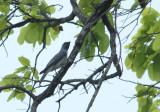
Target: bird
(57,61)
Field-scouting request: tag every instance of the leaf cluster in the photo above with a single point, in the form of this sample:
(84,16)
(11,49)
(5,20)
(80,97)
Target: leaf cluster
(146,99)
(145,47)
(33,32)
(97,38)
(23,81)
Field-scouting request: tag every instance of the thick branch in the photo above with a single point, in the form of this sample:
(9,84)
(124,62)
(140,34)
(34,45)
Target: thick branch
(101,9)
(78,12)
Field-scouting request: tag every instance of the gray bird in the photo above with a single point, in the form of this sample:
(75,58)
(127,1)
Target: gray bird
(57,61)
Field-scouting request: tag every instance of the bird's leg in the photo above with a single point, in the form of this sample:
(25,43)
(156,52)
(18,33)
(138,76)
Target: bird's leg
(55,74)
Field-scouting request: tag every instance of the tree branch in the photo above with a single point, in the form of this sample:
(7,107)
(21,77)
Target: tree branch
(20,88)
(32,20)
(78,12)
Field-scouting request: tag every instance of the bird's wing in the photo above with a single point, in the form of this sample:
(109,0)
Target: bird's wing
(54,60)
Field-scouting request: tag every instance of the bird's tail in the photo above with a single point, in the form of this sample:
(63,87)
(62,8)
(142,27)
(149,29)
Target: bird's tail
(42,78)
(41,72)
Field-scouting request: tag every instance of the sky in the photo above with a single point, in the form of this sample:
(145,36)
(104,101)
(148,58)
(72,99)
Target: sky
(111,96)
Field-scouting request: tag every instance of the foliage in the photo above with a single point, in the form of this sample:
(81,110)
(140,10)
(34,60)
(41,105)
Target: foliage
(33,32)
(146,99)
(38,26)
(23,81)
(99,36)
(144,55)
(145,47)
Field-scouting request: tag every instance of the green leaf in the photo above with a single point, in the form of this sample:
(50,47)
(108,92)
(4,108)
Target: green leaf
(129,60)
(99,28)
(145,49)
(20,96)
(141,90)
(29,87)
(155,106)
(88,51)
(31,34)
(103,38)
(110,18)
(2,83)
(154,71)
(5,8)
(22,35)
(149,16)
(150,11)
(27,75)
(24,61)
(136,62)
(90,43)
(50,9)
(6,33)
(3,24)
(156,58)
(21,69)
(53,33)
(144,104)
(48,40)
(152,92)
(40,38)
(83,3)
(86,7)
(79,23)
(26,9)
(12,95)
(151,57)
(135,5)
(7,90)
(34,11)
(76,35)
(11,79)
(36,75)
(156,45)
(155,28)
(104,43)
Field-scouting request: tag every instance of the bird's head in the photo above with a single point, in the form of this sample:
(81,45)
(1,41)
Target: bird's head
(65,45)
